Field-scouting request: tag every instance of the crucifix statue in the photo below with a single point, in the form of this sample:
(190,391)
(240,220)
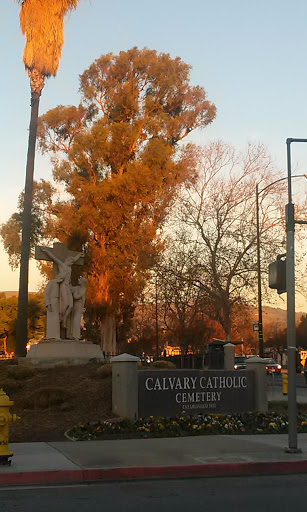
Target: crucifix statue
(63,301)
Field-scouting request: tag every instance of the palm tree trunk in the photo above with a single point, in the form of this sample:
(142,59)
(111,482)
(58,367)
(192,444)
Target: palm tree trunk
(22,312)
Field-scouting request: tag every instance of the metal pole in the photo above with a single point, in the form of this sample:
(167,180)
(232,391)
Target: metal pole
(258,192)
(291,341)
(157,321)
(260,331)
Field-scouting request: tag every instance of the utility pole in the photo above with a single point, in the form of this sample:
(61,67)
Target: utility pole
(258,192)
(291,334)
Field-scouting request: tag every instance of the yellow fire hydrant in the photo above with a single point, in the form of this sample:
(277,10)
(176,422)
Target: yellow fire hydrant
(284,378)
(6,417)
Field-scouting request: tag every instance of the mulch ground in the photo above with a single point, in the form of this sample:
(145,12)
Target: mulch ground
(88,400)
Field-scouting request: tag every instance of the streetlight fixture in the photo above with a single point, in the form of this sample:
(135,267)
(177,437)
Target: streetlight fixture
(260,324)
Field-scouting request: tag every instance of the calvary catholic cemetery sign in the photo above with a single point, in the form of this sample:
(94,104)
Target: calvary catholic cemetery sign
(173,392)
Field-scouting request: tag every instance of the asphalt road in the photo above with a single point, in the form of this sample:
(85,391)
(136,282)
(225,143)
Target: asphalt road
(265,493)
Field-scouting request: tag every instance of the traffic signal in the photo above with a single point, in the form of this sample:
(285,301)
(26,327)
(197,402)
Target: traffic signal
(277,274)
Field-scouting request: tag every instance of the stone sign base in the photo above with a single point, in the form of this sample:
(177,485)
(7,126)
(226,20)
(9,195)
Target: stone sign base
(72,352)
(155,392)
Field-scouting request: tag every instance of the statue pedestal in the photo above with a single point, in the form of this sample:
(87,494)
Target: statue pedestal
(55,351)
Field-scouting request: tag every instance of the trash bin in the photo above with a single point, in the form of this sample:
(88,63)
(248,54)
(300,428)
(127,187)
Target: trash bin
(214,357)
(214,354)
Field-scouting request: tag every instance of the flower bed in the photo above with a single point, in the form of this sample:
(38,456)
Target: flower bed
(245,423)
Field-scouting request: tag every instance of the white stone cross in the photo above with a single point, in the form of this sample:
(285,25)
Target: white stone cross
(60,251)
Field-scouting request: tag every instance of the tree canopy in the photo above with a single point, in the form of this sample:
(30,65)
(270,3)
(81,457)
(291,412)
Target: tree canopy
(219,217)
(36,317)
(120,159)
(42,23)
(10,231)
(183,307)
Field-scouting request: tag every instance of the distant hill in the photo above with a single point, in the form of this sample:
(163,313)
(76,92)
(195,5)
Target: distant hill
(276,316)
(10,294)
(13,294)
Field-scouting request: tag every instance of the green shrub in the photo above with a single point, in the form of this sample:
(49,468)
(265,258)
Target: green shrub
(165,365)
(20,372)
(44,398)
(104,371)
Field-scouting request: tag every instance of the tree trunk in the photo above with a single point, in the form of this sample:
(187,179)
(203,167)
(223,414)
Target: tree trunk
(227,326)
(22,312)
(225,314)
(108,335)
(228,335)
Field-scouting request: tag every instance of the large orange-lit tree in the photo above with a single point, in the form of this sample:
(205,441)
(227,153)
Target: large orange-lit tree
(120,157)
(42,23)
(123,163)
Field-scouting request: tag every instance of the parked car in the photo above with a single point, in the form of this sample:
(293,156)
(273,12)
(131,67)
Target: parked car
(271,366)
(240,363)
(305,370)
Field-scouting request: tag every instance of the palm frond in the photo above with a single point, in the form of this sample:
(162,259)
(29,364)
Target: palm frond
(42,22)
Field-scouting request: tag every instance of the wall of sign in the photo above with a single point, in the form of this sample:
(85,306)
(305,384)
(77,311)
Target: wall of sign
(173,392)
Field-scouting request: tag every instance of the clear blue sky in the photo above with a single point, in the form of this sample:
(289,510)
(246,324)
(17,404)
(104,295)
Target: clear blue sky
(249,56)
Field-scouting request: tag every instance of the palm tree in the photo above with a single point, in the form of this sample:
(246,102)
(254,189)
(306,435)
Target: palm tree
(42,22)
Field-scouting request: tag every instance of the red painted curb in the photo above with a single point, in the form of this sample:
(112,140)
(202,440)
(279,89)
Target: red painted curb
(130,473)
(41,477)
(223,469)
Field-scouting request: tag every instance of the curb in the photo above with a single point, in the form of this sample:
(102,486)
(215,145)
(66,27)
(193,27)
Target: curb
(135,473)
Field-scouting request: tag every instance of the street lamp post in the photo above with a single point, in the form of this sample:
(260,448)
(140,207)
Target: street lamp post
(260,328)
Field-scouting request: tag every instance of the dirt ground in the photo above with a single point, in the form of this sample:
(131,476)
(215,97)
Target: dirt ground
(84,394)
(87,398)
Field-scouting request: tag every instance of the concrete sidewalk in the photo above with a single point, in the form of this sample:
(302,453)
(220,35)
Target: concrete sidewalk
(275,395)
(90,461)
